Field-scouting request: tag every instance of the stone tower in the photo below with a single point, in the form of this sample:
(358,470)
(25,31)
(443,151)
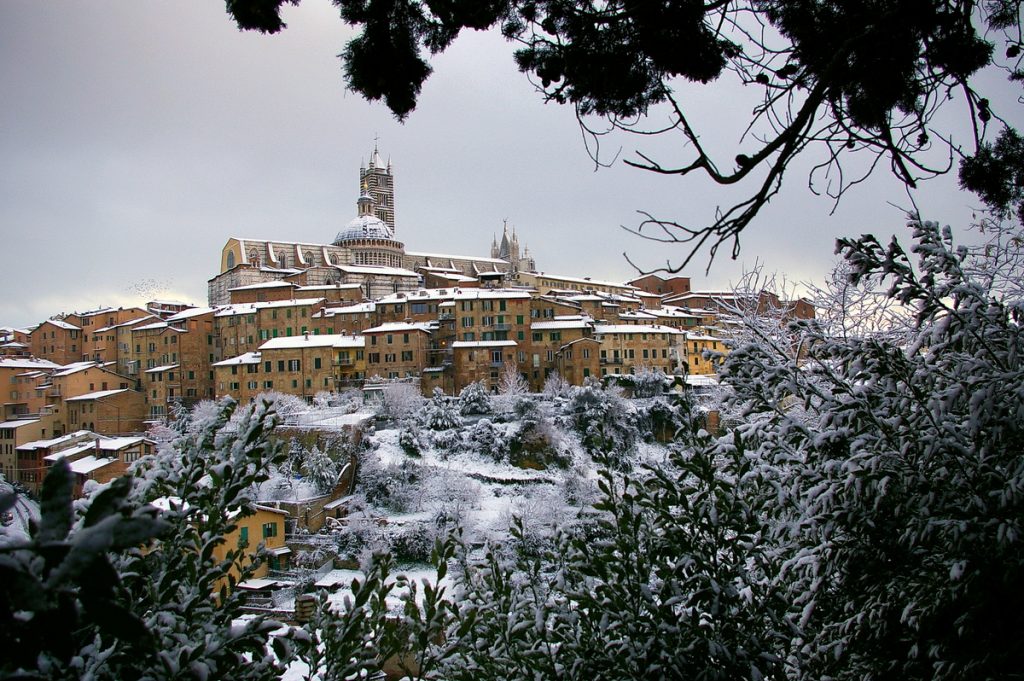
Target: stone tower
(378,181)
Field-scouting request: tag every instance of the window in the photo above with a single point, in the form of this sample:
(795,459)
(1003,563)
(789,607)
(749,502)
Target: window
(294,365)
(269,530)
(374,358)
(519,319)
(316,363)
(268,384)
(537,336)
(251,385)
(495,356)
(467,322)
(586,353)
(406,355)
(556,335)
(469,336)
(389,358)
(267,367)
(390,339)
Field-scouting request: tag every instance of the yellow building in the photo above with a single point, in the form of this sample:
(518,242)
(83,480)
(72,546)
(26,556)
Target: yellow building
(696,347)
(628,348)
(264,527)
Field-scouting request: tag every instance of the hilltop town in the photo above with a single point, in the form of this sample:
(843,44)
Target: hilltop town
(304,319)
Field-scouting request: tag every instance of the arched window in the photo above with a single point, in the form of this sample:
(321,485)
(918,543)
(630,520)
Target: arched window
(231,259)
(254,257)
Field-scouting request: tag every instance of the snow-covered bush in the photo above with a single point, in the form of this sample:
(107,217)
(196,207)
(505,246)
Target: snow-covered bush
(900,474)
(555,386)
(604,422)
(395,486)
(648,382)
(440,413)
(412,544)
(411,440)
(401,401)
(322,469)
(474,399)
(484,438)
(535,443)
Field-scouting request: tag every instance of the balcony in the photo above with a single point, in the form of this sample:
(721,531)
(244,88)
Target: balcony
(344,362)
(499,327)
(613,360)
(446,316)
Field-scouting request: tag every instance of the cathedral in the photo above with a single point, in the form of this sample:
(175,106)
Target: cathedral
(365,252)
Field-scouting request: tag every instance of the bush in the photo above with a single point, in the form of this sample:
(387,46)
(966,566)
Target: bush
(474,399)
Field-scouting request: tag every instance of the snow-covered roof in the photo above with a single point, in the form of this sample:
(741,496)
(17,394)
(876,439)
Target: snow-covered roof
(88,464)
(99,394)
(702,337)
(635,328)
(701,380)
(13,344)
(27,363)
(308,340)
(189,313)
(130,322)
(113,444)
(166,367)
(18,423)
(484,344)
(329,287)
(582,280)
(399,327)
(70,451)
(560,324)
(379,270)
(442,256)
(61,324)
(151,327)
(263,284)
(246,358)
(75,367)
(358,308)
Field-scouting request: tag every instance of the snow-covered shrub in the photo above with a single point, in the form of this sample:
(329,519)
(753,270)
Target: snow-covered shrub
(901,470)
(486,439)
(450,496)
(474,399)
(662,419)
(604,422)
(412,544)
(446,441)
(400,401)
(648,382)
(394,487)
(440,413)
(411,440)
(322,469)
(287,406)
(536,442)
(556,387)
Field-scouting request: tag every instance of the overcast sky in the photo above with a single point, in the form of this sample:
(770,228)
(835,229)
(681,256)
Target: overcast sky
(137,137)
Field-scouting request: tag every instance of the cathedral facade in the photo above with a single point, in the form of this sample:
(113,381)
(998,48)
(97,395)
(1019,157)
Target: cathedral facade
(364,252)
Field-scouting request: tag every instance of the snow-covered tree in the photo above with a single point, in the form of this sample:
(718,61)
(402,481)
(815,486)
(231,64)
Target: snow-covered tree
(897,487)
(322,469)
(474,399)
(604,422)
(555,386)
(648,382)
(440,413)
(401,401)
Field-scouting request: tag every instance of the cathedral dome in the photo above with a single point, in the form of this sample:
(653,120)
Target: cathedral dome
(364,227)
